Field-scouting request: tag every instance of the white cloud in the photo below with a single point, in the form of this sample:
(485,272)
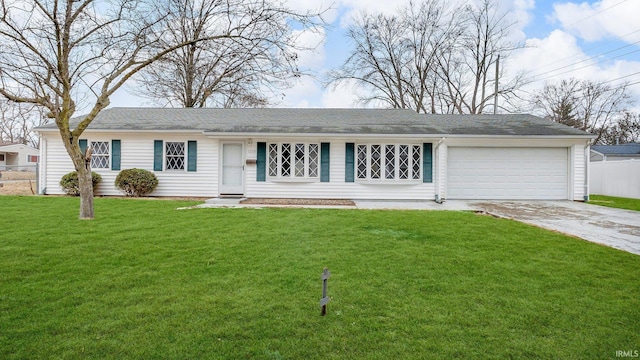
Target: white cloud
(599,20)
(559,56)
(313,39)
(303,94)
(344,96)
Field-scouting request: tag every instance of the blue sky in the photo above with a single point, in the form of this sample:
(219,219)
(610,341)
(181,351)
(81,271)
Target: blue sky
(584,39)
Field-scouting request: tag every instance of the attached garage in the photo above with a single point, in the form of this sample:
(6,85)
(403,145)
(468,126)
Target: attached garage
(508,173)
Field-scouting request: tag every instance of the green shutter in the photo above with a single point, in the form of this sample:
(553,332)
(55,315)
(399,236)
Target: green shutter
(115,154)
(83,145)
(192,156)
(324,162)
(349,162)
(157,155)
(261,162)
(427,162)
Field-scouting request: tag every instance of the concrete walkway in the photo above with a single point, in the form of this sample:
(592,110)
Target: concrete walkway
(616,228)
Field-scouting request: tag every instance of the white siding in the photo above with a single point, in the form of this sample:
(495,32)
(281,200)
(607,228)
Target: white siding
(336,188)
(137,152)
(579,164)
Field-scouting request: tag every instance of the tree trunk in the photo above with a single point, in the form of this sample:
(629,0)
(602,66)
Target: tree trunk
(82,164)
(85,185)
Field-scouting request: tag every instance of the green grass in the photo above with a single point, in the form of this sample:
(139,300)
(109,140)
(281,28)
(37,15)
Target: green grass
(615,202)
(144,280)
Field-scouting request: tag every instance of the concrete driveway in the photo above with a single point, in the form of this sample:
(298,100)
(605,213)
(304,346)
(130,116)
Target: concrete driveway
(616,228)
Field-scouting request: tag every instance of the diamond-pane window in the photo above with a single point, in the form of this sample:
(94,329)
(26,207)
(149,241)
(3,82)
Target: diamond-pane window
(285,160)
(376,167)
(313,160)
(273,159)
(299,160)
(294,160)
(362,162)
(416,163)
(100,154)
(390,162)
(403,161)
(174,155)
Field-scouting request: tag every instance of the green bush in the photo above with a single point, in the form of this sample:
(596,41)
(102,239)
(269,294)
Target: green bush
(69,182)
(136,182)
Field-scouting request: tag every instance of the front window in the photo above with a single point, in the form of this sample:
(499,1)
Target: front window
(32,158)
(293,160)
(174,156)
(388,161)
(100,154)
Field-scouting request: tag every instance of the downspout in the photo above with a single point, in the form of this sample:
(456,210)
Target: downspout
(438,199)
(587,159)
(42,167)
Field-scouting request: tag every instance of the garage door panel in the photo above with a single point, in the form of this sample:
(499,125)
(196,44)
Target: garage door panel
(507,173)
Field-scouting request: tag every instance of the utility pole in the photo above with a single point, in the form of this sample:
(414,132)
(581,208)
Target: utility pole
(495,94)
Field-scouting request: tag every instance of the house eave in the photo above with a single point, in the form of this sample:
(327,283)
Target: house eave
(238,135)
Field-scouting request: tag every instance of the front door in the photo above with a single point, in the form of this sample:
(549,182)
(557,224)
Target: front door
(232,171)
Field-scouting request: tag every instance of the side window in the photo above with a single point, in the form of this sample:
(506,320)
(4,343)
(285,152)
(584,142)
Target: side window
(100,154)
(174,155)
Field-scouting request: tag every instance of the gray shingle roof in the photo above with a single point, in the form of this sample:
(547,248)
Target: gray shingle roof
(324,121)
(622,149)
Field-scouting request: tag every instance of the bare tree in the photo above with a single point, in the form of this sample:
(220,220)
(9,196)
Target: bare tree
(17,122)
(60,54)
(468,68)
(430,58)
(584,104)
(229,72)
(394,56)
(625,130)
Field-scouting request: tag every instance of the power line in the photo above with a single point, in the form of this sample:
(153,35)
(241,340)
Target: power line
(533,77)
(597,13)
(620,78)
(590,58)
(586,66)
(588,49)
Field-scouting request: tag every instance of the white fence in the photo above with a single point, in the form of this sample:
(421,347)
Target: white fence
(615,178)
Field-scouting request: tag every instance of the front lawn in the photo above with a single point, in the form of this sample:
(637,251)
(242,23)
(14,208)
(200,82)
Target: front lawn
(615,202)
(144,280)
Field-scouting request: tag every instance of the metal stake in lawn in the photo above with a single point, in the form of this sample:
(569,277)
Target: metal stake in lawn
(325,299)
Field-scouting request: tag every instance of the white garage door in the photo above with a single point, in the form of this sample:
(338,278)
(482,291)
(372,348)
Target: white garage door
(507,173)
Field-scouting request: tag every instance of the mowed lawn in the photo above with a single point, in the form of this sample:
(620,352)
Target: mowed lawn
(146,281)
(615,202)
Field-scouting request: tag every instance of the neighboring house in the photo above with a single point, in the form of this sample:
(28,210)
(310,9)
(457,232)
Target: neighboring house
(18,157)
(615,152)
(330,154)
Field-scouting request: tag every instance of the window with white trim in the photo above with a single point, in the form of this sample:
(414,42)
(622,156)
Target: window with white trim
(174,155)
(293,160)
(388,162)
(32,158)
(99,154)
